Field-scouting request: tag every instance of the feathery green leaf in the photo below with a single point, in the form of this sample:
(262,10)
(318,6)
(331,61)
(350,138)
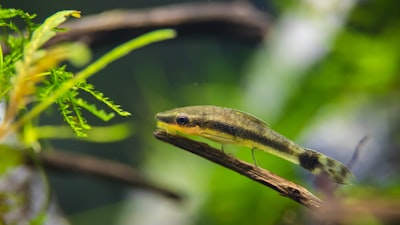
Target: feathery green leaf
(100,96)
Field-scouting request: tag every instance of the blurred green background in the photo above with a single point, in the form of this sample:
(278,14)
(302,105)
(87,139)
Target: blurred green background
(326,75)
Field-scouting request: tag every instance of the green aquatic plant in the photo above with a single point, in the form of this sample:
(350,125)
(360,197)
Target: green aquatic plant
(34,76)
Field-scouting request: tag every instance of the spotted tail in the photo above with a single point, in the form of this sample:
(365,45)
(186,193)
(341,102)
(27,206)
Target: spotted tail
(318,163)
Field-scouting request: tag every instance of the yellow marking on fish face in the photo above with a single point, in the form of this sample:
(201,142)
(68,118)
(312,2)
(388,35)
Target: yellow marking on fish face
(175,128)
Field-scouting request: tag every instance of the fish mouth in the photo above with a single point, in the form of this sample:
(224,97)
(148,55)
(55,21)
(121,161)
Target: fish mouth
(161,125)
(157,117)
(165,122)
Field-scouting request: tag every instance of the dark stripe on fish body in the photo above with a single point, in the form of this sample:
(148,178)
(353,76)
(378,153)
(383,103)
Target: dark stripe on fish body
(166,119)
(237,131)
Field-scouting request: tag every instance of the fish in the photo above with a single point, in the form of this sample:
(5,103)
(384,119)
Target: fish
(231,126)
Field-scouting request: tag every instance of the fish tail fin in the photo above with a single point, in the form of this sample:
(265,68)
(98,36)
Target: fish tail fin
(318,163)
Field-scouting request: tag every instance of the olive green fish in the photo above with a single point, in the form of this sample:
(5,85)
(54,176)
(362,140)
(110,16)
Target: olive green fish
(230,126)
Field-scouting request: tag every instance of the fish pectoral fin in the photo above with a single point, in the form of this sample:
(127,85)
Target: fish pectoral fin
(217,138)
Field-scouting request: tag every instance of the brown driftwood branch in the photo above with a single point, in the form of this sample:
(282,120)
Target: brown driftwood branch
(106,169)
(233,20)
(284,187)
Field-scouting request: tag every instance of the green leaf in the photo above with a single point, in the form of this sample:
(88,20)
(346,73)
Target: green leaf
(120,51)
(11,13)
(100,96)
(72,114)
(94,110)
(46,31)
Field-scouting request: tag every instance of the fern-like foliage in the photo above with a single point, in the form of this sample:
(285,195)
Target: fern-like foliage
(26,65)
(71,105)
(33,75)
(12,39)
(72,114)
(29,73)
(100,96)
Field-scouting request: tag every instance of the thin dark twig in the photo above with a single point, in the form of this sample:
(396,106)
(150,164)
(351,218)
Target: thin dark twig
(279,184)
(337,210)
(356,153)
(322,182)
(110,170)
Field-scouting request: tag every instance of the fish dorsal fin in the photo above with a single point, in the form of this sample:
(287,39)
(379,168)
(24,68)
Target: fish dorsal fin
(251,117)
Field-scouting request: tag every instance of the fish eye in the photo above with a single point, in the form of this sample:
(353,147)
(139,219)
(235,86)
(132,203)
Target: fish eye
(182,119)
